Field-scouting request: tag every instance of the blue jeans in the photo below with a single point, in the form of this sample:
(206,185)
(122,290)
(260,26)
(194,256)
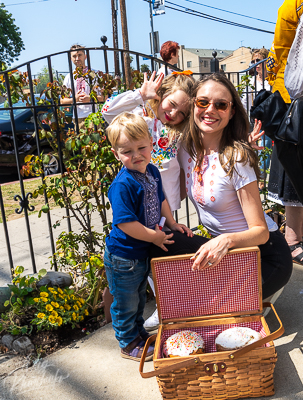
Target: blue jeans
(127,283)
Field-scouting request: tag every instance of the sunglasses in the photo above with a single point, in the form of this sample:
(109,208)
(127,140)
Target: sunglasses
(219,105)
(256,60)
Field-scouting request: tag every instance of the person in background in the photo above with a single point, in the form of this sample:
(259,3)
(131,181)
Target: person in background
(259,83)
(137,202)
(170,54)
(280,188)
(82,89)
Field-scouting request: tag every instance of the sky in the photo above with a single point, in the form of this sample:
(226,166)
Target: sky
(51,26)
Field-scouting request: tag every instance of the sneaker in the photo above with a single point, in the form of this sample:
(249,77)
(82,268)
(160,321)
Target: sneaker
(152,322)
(135,353)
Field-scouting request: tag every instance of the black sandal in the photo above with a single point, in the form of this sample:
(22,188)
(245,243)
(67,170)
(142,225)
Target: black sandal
(299,257)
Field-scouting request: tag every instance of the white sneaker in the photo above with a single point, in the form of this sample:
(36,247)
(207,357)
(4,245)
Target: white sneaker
(152,322)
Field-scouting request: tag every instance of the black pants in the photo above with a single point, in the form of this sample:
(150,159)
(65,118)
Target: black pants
(276,260)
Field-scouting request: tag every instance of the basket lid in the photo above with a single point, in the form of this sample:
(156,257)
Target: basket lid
(232,287)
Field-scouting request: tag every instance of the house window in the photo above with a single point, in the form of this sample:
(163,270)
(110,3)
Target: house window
(189,64)
(205,64)
(223,66)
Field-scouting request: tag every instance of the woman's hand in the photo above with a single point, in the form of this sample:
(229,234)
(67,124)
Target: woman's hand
(182,228)
(211,253)
(255,135)
(161,238)
(150,87)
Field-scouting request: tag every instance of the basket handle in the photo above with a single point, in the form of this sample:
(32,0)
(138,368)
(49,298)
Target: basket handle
(261,342)
(183,364)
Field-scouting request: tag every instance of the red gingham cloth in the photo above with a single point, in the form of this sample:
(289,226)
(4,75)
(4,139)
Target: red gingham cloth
(231,286)
(209,334)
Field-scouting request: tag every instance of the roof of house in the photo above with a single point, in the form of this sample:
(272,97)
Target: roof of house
(208,52)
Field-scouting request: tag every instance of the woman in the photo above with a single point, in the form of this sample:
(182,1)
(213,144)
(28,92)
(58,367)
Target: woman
(221,171)
(280,188)
(170,54)
(259,83)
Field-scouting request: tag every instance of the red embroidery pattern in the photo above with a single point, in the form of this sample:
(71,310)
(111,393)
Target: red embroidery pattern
(198,189)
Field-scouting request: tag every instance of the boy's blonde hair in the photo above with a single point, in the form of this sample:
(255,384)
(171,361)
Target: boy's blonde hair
(133,126)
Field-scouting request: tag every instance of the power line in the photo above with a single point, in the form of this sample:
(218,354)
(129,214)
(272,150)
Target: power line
(211,17)
(27,2)
(231,12)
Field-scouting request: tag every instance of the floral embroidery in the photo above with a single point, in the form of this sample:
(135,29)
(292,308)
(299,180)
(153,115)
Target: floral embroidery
(213,167)
(211,183)
(163,150)
(212,198)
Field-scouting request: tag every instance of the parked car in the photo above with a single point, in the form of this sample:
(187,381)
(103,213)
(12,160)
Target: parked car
(25,138)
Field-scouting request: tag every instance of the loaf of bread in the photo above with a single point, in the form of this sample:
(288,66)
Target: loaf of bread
(183,343)
(235,338)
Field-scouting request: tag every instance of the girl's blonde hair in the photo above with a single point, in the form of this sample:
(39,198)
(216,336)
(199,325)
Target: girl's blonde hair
(234,146)
(132,125)
(170,85)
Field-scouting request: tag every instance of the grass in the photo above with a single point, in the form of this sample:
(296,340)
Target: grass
(9,191)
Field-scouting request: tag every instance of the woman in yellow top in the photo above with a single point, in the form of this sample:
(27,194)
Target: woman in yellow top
(280,189)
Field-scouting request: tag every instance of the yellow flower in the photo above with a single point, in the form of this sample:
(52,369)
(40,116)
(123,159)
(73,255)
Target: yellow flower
(43,294)
(60,291)
(81,318)
(48,307)
(40,315)
(54,292)
(54,313)
(82,300)
(36,299)
(56,305)
(61,296)
(79,304)
(52,319)
(44,299)
(72,297)
(74,316)
(59,321)
(61,308)
(75,307)
(67,307)
(86,312)
(50,289)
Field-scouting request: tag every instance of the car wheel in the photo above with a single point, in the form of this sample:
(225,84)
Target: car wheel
(52,167)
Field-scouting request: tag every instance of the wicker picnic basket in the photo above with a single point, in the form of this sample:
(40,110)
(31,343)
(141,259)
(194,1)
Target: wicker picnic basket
(209,302)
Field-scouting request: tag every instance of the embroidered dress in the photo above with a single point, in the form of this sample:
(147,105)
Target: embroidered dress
(165,151)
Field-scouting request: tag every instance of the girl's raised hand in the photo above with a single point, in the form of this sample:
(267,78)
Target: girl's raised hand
(150,87)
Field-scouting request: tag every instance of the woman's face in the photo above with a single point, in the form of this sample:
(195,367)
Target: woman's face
(256,58)
(174,108)
(210,120)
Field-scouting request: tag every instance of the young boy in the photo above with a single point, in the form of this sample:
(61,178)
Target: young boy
(138,203)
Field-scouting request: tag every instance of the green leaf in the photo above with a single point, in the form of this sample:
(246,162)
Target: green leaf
(19,301)
(23,330)
(19,269)
(42,272)
(45,208)
(6,303)
(15,331)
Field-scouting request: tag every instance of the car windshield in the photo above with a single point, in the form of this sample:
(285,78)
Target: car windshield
(5,113)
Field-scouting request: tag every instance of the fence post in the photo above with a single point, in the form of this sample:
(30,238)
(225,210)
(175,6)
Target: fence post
(214,63)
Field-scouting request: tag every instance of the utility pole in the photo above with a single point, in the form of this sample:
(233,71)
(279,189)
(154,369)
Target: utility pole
(115,35)
(152,29)
(125,43)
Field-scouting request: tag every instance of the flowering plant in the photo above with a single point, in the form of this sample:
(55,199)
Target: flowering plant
(56,307)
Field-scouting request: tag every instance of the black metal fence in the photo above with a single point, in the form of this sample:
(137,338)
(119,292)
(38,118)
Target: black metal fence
(103,58)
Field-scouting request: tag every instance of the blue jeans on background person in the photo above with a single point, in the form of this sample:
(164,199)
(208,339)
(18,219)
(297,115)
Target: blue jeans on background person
(127,281)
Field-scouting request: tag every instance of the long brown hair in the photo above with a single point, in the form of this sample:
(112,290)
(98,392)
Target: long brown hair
(170,85)
(234,146)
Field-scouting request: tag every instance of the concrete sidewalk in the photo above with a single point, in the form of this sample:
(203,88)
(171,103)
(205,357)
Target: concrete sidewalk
(92,369)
